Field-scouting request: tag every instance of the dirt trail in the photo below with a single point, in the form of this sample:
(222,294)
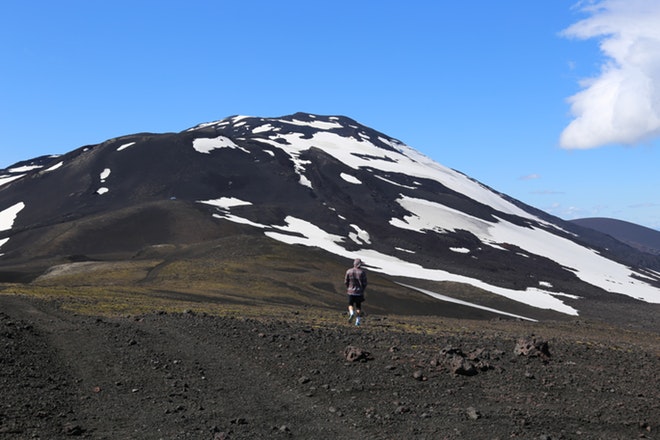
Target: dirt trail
(190,376)
(126,378)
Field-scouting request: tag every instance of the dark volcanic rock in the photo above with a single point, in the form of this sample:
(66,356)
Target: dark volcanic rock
(193,375)
(532,347)
(356,354)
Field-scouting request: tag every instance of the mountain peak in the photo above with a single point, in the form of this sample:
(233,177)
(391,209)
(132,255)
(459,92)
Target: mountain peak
(298,124)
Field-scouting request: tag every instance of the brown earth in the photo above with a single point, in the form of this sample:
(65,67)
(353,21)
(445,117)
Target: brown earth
(312,375)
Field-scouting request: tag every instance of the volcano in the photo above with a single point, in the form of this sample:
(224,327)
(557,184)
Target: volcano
(325,188)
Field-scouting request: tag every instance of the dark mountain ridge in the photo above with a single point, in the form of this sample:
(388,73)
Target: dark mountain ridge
(639,237)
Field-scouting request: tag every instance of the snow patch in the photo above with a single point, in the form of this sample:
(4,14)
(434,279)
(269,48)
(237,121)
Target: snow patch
(2,243)
(460,250)
(225,202)
(238,118)
(102,190)
(208,124)
(125,146)
(8,216)
(206,145)
(464,303)
(24,169)
(105,174)
(6,179)
(304,181)
(397,184)
(405,250)
(298,163)
(350,179)
(54,167)
(262,128)
(321,125)
(360,236)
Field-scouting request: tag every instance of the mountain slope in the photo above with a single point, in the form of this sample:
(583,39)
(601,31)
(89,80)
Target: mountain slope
(639,237)
(321,181)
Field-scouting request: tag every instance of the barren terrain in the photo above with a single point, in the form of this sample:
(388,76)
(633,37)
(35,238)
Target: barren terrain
(309,374)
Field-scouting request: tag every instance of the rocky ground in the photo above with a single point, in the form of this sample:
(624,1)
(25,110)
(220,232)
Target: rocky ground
(191,375)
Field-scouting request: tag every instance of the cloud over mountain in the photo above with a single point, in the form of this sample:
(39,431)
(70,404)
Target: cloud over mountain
(621,105)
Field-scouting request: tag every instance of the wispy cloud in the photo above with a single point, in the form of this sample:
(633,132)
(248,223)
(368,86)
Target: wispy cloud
(532,176)
(565,212)
(573,212)
(644,205)
(622,104)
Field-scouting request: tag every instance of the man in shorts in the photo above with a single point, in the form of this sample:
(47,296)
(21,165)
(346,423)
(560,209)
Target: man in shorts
(356,283)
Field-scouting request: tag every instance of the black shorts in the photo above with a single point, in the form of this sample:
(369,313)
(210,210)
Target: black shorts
(355,300)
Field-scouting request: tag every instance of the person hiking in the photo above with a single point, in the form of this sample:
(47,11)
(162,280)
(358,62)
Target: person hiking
(356,283)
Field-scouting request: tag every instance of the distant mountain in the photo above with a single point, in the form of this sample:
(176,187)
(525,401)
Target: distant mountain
(321,182)
(640,237)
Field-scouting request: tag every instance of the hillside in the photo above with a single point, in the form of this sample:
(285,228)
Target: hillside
(639,237)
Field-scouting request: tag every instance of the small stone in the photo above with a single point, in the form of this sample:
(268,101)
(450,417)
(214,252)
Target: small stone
(355,354)
(461,366)
(72,430)
(401,410)
(532,347)
(473,414)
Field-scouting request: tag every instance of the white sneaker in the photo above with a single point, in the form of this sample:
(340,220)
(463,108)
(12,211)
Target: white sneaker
(357,321)
(350,317)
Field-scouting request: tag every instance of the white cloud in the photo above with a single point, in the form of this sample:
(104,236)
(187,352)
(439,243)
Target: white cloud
(622,104)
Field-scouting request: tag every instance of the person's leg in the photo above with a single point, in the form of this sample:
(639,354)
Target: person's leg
(358,312)
(351,309)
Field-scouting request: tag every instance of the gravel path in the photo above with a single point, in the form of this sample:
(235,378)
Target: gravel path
(178,376)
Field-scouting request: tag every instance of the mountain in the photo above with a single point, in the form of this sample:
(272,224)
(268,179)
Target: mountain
(300,192)
(639,237)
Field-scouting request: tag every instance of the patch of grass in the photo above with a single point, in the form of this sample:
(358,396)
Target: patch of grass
(98,273)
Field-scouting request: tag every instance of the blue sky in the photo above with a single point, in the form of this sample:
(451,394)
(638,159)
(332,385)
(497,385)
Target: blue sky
(554,102)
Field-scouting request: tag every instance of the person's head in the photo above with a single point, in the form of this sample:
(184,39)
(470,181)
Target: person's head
(357,262)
